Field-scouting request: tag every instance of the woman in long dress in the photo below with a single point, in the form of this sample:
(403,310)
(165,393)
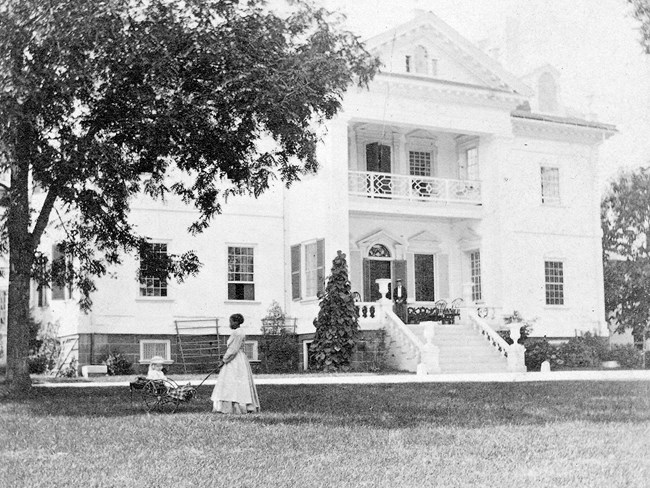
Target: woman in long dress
(235,391)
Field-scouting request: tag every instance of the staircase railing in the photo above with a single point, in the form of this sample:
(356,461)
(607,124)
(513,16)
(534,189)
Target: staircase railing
(488,333)
(404,337)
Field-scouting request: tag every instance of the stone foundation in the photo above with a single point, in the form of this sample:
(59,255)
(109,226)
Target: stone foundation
(208,350)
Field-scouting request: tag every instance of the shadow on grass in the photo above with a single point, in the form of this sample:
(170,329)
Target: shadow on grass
(380,406)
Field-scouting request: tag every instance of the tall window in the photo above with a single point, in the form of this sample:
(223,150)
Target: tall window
(153,280)
(308,274)
(471,155)
(407,63)
(550,185)
(241,273)
(420,163)
(554,280)
(475,274)
(59,271)
(424,281)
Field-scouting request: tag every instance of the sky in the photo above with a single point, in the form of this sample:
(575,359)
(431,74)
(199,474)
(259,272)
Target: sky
(593,43)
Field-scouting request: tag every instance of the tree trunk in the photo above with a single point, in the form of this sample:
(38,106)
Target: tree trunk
(21,257)
(18,329)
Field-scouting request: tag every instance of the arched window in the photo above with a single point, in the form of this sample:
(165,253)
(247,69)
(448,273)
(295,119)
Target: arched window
(421,60)
(547,93)
(379,251)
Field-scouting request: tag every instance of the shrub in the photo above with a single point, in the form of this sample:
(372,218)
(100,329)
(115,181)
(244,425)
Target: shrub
(278,346)
(538,351)
(117,364)
(71,370)
(44,347)
(584,351)
(279,352)
(337,324)
(38,364)
(627,356)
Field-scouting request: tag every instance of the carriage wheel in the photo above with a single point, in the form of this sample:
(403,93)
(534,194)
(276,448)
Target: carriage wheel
(168,404)
(152,392)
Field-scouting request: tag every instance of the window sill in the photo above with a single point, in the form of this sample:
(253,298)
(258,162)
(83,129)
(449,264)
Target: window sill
(154,299)
(245,302)
(556,307)
(309,300)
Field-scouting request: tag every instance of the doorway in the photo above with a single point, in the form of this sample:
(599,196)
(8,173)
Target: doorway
(374,269)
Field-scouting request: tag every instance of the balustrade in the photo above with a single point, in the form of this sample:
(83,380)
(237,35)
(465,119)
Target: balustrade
(413,188)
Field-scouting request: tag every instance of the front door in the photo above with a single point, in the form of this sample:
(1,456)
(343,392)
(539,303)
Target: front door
(374,269)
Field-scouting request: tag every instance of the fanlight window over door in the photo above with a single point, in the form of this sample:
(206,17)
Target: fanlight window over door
(379,251)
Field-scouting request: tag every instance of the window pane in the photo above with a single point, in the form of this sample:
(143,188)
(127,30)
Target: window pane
(472,164)
(151,349)
(475,268)
(240,264)
(241,291)
(550,185)
(153,283)
(311,270)
(554,281)
(250,349)
(420,163)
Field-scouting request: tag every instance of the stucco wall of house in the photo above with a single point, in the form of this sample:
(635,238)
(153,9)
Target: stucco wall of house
(533,232)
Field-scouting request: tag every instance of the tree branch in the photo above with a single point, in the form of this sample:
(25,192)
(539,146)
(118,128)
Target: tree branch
(44,216)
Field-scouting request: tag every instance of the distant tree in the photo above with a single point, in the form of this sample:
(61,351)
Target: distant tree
(642,14)
(102,100)
(337,323)
(625,218)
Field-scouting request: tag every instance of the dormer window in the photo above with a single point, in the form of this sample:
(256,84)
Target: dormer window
(407,63)
(547,93)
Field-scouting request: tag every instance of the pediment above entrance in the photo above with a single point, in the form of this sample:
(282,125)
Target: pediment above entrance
(424,241)
(394,245)
(469,240)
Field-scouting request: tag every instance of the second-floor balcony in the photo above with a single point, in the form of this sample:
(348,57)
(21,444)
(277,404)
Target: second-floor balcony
(409,188)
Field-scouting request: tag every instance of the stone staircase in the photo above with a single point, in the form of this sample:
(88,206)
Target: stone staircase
(463,349)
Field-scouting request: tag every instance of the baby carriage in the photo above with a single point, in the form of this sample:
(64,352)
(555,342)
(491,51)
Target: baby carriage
(164,395)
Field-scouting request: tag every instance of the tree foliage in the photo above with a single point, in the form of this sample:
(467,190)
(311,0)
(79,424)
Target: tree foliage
(104,100)
(625,217)
(642,13)
(337,323)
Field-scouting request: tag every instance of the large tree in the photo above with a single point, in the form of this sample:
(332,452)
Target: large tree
(102,100)
(642,14)
(625,216)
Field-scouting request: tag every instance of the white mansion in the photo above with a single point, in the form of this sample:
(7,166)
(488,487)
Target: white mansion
(449,173)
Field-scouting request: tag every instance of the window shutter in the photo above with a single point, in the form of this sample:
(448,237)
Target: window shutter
(320,265)
(399,273)
(295,273)
(58,261)
(372,156)
(367,285)
(356,272)
(384,159)
(443,276)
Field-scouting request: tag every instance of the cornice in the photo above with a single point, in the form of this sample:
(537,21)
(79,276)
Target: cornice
(414,85)
(547,129)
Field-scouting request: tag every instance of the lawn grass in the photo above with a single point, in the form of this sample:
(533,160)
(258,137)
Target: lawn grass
(591,434)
